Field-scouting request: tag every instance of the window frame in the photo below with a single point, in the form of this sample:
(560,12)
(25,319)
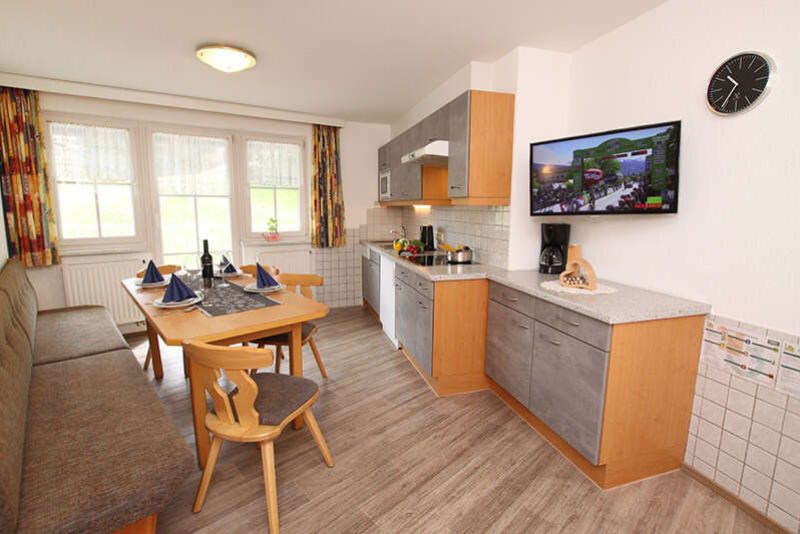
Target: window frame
(251,237)
(152,128)
(101,245)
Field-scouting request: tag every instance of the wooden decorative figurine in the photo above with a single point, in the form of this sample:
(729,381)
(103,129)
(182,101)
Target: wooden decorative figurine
(578,272)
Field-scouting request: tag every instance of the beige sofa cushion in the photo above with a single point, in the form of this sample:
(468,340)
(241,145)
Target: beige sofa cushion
(15,284)
(100,451)
(68,333)
(15,373)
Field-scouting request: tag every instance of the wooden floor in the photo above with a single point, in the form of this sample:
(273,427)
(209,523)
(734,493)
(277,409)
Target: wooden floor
(409,462)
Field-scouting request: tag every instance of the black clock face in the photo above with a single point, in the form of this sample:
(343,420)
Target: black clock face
(738,83)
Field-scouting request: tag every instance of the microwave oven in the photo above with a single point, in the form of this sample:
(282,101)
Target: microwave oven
(385,185)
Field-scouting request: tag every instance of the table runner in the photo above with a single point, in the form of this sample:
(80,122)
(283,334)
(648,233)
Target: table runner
(225,300)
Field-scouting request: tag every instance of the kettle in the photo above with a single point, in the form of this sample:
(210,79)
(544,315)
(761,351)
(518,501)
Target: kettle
(426,236)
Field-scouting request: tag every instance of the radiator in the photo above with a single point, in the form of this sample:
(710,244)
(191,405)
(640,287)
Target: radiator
(97,281)
(288,258)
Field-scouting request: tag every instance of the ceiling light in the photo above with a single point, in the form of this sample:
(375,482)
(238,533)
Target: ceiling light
(226,58)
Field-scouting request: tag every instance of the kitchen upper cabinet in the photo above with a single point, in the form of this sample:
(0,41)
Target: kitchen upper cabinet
(383,158)
(479,126)
(567,388)
(458,157)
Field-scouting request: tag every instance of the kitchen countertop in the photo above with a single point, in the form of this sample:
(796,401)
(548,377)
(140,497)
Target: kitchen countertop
(628,305)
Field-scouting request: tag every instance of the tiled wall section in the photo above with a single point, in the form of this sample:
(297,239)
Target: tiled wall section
(381,222)
(746,437)
(341,269)
(484,229)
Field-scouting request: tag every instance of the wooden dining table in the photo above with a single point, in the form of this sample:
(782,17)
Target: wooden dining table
(177,326)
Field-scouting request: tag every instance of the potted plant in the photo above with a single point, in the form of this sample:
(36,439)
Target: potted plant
(272,230)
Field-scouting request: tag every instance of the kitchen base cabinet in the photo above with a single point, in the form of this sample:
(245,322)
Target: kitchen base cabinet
(615,400)
(371,284)
(443,336)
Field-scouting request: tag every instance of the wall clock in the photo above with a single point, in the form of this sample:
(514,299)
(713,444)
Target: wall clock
(740,83)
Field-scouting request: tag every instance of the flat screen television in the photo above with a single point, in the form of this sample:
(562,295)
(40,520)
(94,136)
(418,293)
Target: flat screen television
(632,170)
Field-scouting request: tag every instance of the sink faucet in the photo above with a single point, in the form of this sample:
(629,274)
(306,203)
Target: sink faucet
(402,231)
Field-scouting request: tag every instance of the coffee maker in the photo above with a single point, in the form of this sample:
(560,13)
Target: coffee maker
(555,241)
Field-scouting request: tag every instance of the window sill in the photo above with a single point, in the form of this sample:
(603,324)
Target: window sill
(284,241)
(68,251)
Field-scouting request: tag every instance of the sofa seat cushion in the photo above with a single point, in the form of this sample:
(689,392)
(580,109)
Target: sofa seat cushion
(15,284)
(67,333)
(100,451)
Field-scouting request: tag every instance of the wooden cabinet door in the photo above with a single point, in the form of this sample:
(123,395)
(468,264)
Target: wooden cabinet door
(509,349)
(567,388)
(458,158)
(424,333)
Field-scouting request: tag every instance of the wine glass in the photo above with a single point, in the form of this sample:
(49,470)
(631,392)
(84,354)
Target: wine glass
(224,262)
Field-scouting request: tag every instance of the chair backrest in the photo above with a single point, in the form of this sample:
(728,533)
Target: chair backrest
(251,269)
(209,362)
(163,269)
(303,282)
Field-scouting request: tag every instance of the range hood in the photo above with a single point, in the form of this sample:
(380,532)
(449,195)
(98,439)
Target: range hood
(434,154)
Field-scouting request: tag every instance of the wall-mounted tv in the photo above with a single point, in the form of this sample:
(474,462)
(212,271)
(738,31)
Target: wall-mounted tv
(633,170)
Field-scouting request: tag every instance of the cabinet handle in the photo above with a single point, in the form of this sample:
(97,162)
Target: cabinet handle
(556,343)
(571,323)
(510,299)
(455,187)
(519,324)
(421,304)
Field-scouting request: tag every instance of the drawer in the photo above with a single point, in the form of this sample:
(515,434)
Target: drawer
(516,300)
(509,344)
(592,331)
(374,256)
(423,285)
(567,388)
(404,274)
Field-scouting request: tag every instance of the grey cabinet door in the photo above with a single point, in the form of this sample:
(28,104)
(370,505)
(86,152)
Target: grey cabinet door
(509,348)
(394,153)
(365,278)
(383,158)
(405,308)
(458,158)
(435,126)
(375,285)
(567,388)
(424,333)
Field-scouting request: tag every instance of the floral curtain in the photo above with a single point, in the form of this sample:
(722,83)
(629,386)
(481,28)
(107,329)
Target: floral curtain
(328,201)
(24,181)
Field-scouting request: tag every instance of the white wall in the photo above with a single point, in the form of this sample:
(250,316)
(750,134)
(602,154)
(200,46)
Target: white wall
(736,239)
(359,159)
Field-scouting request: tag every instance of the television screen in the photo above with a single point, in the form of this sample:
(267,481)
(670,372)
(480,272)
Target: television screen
(634,170)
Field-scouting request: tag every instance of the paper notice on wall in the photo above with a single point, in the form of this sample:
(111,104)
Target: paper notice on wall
(746,352)
(789,372)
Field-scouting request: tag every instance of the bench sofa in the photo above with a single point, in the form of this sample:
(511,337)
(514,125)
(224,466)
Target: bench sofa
(85,444)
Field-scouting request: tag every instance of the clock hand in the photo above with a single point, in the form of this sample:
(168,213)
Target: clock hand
(735,85)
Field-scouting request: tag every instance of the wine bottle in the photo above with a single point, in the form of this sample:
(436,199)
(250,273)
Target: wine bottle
(207,263)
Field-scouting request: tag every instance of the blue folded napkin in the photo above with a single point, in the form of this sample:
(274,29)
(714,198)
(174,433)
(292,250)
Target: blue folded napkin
(263,278)
(230,267)
(151,274)
(177,290)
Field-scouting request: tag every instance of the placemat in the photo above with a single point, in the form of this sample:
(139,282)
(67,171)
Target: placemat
(226,300)
(555,286)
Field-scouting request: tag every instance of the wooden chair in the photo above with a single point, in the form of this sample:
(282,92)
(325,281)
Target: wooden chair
(293,282)
(251,269)
(164,270)
(256,411)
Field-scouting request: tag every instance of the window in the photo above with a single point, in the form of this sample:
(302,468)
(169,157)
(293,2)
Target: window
(94,181)
(274,176)
(193,178)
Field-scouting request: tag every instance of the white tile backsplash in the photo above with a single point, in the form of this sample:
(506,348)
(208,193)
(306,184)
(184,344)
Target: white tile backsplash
(765,438)
(760,460)
(482,228)
(740,402)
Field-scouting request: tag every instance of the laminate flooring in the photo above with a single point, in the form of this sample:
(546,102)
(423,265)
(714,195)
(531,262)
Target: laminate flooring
(407,461)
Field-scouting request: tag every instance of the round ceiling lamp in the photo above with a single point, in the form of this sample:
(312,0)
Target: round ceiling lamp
(226,58)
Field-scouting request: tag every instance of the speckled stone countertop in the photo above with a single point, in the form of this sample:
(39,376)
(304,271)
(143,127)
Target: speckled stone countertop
(628,305)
